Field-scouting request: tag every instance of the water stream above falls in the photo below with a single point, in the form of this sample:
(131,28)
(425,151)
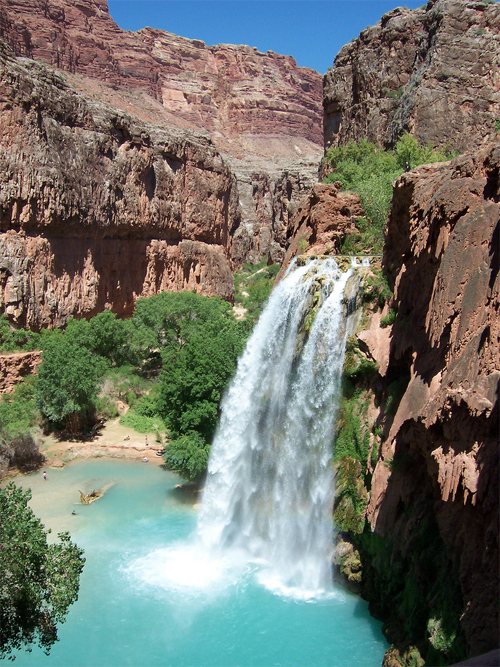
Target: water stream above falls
(247,579)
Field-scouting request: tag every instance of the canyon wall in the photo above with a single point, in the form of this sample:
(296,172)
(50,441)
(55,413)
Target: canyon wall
(263,113)
(98,208)
(419,521)
(432,71)
(441,253)
(14,367)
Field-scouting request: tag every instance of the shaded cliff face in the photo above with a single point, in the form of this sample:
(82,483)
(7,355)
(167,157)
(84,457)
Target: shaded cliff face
(439,453)
(433,72)
(98,208)
(263,113)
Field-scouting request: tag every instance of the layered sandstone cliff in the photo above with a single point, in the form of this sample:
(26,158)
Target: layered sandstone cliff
(14,367)
(98,208)
(263,113)
(433,71)
(323,220)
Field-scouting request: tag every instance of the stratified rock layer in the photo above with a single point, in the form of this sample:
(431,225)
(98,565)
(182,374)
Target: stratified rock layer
(98,208)
(439,460)
(262,111)
(433,71)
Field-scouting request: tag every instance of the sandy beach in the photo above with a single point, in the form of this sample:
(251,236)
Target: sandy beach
(112,441)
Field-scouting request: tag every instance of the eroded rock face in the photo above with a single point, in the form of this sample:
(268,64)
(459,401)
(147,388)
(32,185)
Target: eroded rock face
(263,113)
(432,71)
(98,208)
(323,219)
(230,89)
(442,251)
(14,367)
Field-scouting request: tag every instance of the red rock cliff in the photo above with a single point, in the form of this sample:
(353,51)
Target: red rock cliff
(439,454)
(263,112)
(433,72)
(98,208)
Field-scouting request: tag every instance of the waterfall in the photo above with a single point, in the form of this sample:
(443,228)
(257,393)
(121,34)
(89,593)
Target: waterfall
(269,490)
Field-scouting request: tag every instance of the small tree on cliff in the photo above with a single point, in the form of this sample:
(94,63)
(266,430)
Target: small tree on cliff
(38,581)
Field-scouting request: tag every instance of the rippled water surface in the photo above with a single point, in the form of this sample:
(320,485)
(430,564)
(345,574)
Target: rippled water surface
(150,597)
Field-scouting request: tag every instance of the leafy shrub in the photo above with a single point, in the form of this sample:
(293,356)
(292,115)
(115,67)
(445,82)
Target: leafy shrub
(142,423)
(351,498)
(253,286)
(377,288)
(18,413)
(366,169)
(14,340)
(388,320)
(21,451)
(187,455)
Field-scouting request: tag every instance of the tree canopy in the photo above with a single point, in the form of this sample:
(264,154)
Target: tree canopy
(38,581)
(200,344)
(369,170)
(68,378)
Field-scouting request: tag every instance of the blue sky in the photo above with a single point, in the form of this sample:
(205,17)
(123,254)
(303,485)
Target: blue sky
(312,31)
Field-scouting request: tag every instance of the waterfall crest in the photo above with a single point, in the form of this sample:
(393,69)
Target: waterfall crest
(269,490)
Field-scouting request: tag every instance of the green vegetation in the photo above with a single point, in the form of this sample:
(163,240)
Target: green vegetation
(368,170)
(18,428)
(416,588)
(38,581)
(68,378)
(17,340)
(202,342)
(18,413)
(253,284)
(388,320)
(169,363)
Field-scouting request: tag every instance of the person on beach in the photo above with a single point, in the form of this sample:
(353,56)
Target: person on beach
(44,474)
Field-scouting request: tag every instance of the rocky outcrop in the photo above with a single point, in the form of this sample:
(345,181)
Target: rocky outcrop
(263,113)
(14,367)
(433,420)
(432,71)
(98,208)
(323,219)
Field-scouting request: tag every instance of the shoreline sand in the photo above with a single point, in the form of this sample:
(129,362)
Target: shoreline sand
(112,441)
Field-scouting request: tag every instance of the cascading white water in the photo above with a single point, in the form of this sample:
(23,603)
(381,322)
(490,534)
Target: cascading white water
(269,490)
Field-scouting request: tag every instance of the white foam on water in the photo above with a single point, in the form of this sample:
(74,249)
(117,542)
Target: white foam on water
(183,568)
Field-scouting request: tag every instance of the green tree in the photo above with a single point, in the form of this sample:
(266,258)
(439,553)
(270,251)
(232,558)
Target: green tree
(38,581)
(13,340)
(68,379)
(201,343)
(107,336)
